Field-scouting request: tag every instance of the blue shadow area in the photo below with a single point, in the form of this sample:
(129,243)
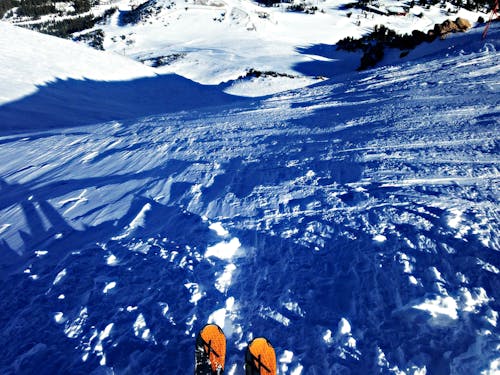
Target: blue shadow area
(326,61)
(69,103)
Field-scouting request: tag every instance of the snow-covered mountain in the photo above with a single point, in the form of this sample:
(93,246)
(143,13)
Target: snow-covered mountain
(354,223)
(220,40)
(225,41)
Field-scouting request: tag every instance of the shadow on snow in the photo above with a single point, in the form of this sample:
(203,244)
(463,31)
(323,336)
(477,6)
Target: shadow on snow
(69,103)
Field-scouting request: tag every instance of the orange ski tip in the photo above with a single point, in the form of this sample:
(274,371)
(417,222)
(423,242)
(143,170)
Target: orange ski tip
(215,344)
(263,355)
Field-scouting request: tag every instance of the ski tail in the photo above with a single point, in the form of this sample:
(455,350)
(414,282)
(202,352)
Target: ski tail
(210,351)
(260,358)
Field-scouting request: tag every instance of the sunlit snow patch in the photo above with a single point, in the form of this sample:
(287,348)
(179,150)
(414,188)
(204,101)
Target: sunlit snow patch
(219,229)
(109,286)
(294,308)
(471,301)
(223,282)
(111,260)
(297,370)
(224,250)
(440,308)
(4,227)
(138,221)
(268,85)
(59,277)
(190,325)
(41,253)
(455,218)
(141,330)
(59,317)
(196,294)
(75,328)
(491,317)
(221,317)
(98,349)
(343,341)
(267,312)
(380,238)
(285,359)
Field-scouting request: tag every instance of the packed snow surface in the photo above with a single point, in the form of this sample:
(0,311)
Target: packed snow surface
(354,223)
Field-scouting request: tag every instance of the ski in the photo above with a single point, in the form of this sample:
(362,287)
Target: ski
(260,358)
(210,351)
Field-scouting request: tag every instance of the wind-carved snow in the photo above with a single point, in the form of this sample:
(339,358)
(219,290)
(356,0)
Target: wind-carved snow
(75,202)
(137,222)
(4,227)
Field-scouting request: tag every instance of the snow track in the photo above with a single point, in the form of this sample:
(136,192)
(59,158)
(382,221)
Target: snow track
(354,223)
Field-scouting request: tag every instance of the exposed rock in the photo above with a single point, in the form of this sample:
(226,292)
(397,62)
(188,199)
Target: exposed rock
(445,28)
(463,24)
(448,26)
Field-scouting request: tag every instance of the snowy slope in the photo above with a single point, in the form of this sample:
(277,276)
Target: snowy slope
(217,41)
(355,223)
(30,59)
(49,82)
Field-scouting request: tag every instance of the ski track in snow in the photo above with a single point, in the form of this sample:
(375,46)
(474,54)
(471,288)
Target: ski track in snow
(354,223)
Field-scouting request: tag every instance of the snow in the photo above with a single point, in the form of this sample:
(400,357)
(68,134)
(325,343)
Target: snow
(439,307)
(196,294)
(59,317)
(344,327)
(327,337)
(111,260)
(41,253)
(224,250)
(61,60)
(380,238)
(223,282)
(141,330)
(222,317)
(285,359)
(217,42)
(219,229)
(74,328)
(261,215)
(59,276)
(108,287)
